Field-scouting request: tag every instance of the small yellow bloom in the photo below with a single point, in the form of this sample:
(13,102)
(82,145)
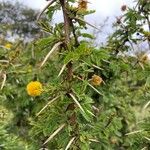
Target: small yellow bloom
(82,4)
(34,88)
(8,46)
(144,59)
(96,80)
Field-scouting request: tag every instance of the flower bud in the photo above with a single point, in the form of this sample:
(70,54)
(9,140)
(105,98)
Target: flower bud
(96,80)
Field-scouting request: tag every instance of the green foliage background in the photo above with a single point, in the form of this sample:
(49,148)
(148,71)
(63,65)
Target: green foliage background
(116,113)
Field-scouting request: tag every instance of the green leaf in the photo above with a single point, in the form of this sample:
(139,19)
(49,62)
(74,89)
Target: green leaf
(86,35)
(71,56)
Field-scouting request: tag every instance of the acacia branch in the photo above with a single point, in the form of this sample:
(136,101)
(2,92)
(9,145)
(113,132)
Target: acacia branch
(67,27)
(79,19)
(66,21)
(40,14)
(148,21)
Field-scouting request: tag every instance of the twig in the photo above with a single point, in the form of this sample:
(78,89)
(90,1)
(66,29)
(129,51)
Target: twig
(66,21)
(148,21)
(40,14)
(76,18)
(74,34)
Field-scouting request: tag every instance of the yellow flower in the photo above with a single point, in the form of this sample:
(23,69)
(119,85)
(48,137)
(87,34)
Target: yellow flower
(96,80)
(34,88)
(8,46)
(144,58)
(82,4)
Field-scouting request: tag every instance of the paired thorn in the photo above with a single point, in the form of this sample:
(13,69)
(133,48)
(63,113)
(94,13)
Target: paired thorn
(4,81)
(62,69)
(55,133)
(76,101)
(50,102)
(50,52)
(69,144)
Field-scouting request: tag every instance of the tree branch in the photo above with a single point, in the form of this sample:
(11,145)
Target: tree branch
(66,21)
(40,14)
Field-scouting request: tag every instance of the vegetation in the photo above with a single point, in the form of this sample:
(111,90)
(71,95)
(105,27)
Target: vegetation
(18,21)
(61,92)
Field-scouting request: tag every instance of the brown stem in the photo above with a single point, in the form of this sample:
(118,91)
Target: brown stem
(66,21)
(75,36)
(67,28)
(148,21)
(40,14)
(68,24)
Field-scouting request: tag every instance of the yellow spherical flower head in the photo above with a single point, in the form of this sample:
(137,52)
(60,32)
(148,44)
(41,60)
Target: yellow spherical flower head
(82,4)
(8,46)
(34,88)
(96,80)
(144,58)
